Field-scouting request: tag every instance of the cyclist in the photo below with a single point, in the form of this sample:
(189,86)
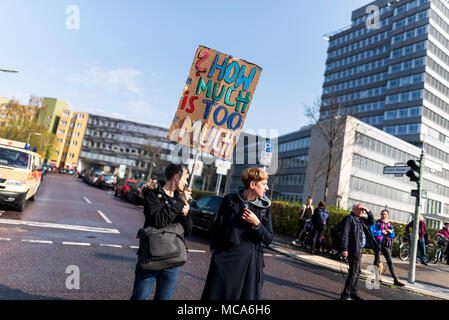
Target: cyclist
(445,233)
(383,232)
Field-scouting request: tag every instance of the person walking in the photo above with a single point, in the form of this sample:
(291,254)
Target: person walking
(320,218)
(445,233)
(422,228)
(165,203)
(305,215)
(383,233)
(355,234)
(243,224)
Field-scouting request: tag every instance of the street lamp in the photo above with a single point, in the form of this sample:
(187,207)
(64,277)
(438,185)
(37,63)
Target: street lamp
(9,70)
(35,133)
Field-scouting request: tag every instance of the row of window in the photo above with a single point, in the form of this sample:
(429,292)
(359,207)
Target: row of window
(64,155)
(129,127)
(362,43)
(374,92)
(438,36)
(362,19)
(113,159)
(441,7)
(373,120)
(359,69)
(433,99)
(436,135)
(407,65)
(395,215)
(409,34)
(384,149)
(409,6)
(439,21)
(372,106)
(375,167)
(96,144)
(439,53)
(405,81)
(437,85)
(435,152)
(380,190)
(294,145)
(6,107)
(413,128)
(289,197)
(435,188)
(411,19)
(444,174)
(403,113)
(358,57)
(356,34)
(433,207)
(357,82)
(404,96)
(294,162)
(438,69)
(407,50)
(291,180)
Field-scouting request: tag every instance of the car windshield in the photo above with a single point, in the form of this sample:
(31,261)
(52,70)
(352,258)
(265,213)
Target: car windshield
(14,158)
(129,184)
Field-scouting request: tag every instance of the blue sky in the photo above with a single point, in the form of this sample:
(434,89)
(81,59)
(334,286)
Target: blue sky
(130,59)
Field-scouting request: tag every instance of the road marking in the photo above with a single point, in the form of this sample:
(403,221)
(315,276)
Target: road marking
(200,251)
(77,244)
(104,216)
(58,226)
(111,245)
(5,239)
(87,200)
(1,212)
(134,247)
(38,241)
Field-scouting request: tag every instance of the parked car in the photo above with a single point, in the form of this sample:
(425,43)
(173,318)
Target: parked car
(82,174)
(204,212)
(71,172)
(122,189)
(134,194)
(62,170)
(106,181)
(93,177)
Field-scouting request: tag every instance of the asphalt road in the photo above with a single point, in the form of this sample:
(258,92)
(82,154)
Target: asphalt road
(73,227)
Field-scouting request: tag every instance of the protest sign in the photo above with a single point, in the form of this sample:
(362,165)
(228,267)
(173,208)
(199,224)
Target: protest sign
(214,102)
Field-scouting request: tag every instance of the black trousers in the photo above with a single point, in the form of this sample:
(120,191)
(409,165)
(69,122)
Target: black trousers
(353,276)
(300,229)
(316,237)
(447,254)
(387,254)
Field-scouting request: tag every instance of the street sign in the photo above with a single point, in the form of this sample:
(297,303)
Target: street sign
(198,167)
(266,154)
(121,171)
(222,166)
(423,194)
(400,170)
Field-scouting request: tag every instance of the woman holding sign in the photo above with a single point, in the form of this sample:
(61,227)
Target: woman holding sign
(243,224)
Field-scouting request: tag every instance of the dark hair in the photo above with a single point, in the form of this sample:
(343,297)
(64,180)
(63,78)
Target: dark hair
(322,204)
(174,169)
(385,210)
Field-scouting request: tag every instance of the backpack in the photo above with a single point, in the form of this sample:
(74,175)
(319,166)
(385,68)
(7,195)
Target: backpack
(321,220)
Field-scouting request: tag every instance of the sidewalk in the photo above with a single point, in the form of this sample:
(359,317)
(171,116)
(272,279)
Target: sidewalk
(431,280)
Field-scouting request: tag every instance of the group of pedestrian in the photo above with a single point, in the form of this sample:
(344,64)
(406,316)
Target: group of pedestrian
(243,224)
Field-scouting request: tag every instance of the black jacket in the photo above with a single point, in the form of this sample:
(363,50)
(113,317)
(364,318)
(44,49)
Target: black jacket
(352,233)
(160,210)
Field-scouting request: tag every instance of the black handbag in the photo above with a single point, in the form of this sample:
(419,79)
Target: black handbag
(162,248)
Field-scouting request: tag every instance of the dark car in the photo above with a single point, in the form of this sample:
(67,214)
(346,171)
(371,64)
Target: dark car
(62,170)
(71,172)
(82,174)
(134,194)
(93,177)
(204,212)
(122,189)
(106,181)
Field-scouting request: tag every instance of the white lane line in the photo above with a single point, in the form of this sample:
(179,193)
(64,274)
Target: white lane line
(200,251)
(111,245)
(37,241)
(5,239)
(134,247)
(58,226)
(104,216)
(77,244)
(87,200)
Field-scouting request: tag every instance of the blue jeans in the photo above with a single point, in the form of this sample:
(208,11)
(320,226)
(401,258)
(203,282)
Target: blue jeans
(165,283)
(422,250)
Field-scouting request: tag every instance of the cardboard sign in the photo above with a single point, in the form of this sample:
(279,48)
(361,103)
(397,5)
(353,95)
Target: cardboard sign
(214,103)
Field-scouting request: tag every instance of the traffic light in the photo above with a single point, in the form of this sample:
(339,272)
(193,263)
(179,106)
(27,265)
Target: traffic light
(414,172)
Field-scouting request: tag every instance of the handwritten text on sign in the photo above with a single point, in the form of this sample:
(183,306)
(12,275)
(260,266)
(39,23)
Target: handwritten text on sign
(214,103)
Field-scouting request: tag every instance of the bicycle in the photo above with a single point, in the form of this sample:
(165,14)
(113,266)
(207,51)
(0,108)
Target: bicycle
(440,253)
(404,250)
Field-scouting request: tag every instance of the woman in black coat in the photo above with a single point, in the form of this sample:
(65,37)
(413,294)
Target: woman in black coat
(243,224)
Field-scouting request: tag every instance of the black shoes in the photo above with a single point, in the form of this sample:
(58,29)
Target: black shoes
(398,283)
(356,297)
(424,263)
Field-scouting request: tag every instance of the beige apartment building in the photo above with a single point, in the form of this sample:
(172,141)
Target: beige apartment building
(69,139)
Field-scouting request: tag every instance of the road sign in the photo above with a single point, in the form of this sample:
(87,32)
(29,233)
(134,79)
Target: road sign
(423,194)
(121,171)
(266,154)
(399,170)
(222,166)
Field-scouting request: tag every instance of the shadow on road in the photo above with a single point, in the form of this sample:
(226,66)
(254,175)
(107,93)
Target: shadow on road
(7,293)
(113,257)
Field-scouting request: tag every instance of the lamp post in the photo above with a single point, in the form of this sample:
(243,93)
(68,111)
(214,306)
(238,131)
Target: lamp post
(35,133)
(8,70)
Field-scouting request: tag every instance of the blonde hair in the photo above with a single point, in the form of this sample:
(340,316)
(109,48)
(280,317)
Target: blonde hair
(253,174)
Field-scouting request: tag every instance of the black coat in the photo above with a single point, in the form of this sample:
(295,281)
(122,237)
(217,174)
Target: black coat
(236,267)
(352,233)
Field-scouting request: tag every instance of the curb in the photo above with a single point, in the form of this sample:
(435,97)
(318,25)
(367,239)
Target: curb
(364,275)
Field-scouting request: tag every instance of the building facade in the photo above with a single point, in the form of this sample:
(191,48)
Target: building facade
(50,113)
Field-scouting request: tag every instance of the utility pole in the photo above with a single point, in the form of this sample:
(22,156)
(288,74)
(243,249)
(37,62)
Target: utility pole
(415,174)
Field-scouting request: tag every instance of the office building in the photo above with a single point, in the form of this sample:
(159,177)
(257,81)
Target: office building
(50,113)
